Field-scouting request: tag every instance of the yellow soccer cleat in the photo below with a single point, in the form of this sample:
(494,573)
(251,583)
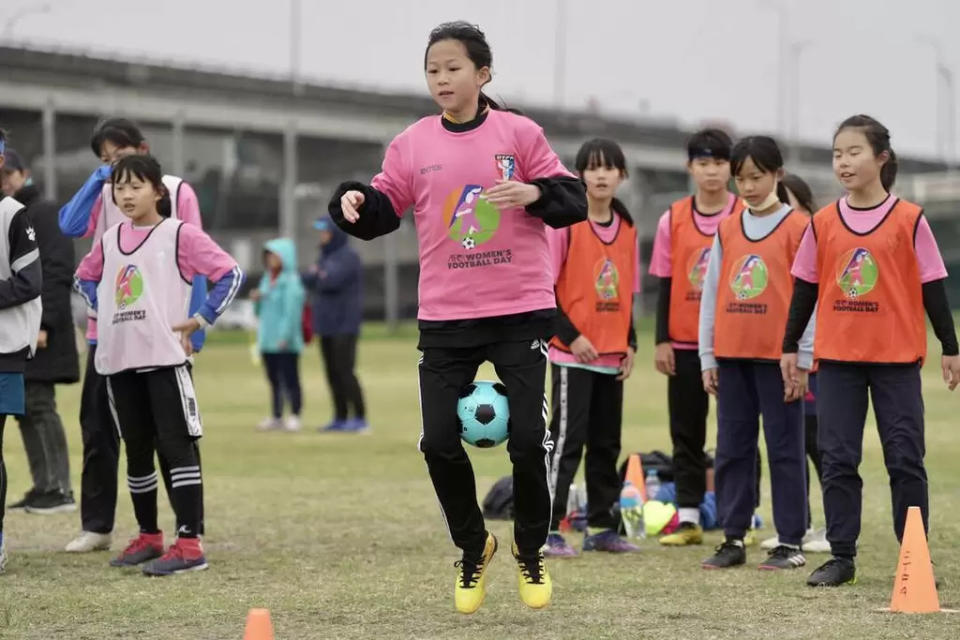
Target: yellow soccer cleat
(687,534)
(471,585)
(534,581)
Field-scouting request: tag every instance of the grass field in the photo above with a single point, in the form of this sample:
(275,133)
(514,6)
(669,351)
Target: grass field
(341,537)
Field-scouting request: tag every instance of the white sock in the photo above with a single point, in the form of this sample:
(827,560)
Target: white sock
(688,514)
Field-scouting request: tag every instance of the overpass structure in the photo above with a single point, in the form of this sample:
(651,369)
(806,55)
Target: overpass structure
(264,153)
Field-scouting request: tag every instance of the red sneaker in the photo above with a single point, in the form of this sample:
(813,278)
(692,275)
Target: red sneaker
(144,547)
(186,554)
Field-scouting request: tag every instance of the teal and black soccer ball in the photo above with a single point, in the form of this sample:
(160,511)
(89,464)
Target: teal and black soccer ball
(484,414)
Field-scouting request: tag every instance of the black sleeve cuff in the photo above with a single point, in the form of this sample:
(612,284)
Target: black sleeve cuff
(377,217)
(663,311)
(563,328)
(801,308)
(938,310)
(562,201)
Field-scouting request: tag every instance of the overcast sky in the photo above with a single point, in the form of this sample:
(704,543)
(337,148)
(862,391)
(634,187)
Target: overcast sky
(691,60)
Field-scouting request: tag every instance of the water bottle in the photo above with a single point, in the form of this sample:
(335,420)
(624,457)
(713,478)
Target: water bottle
(653,484)
(631,511)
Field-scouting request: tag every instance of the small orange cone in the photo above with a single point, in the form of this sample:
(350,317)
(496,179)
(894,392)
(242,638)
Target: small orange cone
(259,626)
(914,589)
(634,474)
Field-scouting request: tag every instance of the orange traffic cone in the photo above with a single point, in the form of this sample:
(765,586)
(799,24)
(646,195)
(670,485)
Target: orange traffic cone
(259,626)
(914,589)
(634,474)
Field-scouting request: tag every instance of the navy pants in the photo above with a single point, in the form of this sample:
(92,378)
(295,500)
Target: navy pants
(842,412)
(747,391)
(283,372)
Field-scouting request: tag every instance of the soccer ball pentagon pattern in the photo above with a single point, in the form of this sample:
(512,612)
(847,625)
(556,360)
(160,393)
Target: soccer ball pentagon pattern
(484,414)
(469,243)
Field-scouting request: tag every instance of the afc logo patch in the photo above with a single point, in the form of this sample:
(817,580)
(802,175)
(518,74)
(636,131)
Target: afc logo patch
(506,165)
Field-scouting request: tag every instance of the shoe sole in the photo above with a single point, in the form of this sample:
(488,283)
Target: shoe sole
(121,564)
(46,511)
(851,581)
(768,567)
(158,574)
(816,548)
(711,567)
(99,547)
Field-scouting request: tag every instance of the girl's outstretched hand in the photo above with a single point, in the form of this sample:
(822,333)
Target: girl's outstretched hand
(350,204)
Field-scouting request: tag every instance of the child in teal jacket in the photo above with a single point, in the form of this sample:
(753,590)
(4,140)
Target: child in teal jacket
(278,302)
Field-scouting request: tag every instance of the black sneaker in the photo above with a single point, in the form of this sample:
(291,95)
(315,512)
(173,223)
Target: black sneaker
(783,557)
(833,573)
(24,501)
(51,502)
(730,553)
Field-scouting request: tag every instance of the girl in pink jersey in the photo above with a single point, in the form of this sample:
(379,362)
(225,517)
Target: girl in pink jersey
(484,184)
(137,278)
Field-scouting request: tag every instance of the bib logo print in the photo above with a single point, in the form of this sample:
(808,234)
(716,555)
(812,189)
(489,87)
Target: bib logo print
(858,273)
(606,280)
(697,268)
(129,286)
(749,277)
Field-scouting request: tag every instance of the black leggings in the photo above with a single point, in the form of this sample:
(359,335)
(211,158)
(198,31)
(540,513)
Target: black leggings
(339,359)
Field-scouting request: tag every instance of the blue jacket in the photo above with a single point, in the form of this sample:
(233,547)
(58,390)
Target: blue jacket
(337,287)
(280,307)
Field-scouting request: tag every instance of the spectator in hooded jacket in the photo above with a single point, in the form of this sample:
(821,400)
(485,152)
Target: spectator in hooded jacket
(279,304)
(336,281)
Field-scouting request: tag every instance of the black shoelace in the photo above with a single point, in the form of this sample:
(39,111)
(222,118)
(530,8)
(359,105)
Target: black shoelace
(727,545)
(532,568)
(469,572)
(833,562)
(783,551)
